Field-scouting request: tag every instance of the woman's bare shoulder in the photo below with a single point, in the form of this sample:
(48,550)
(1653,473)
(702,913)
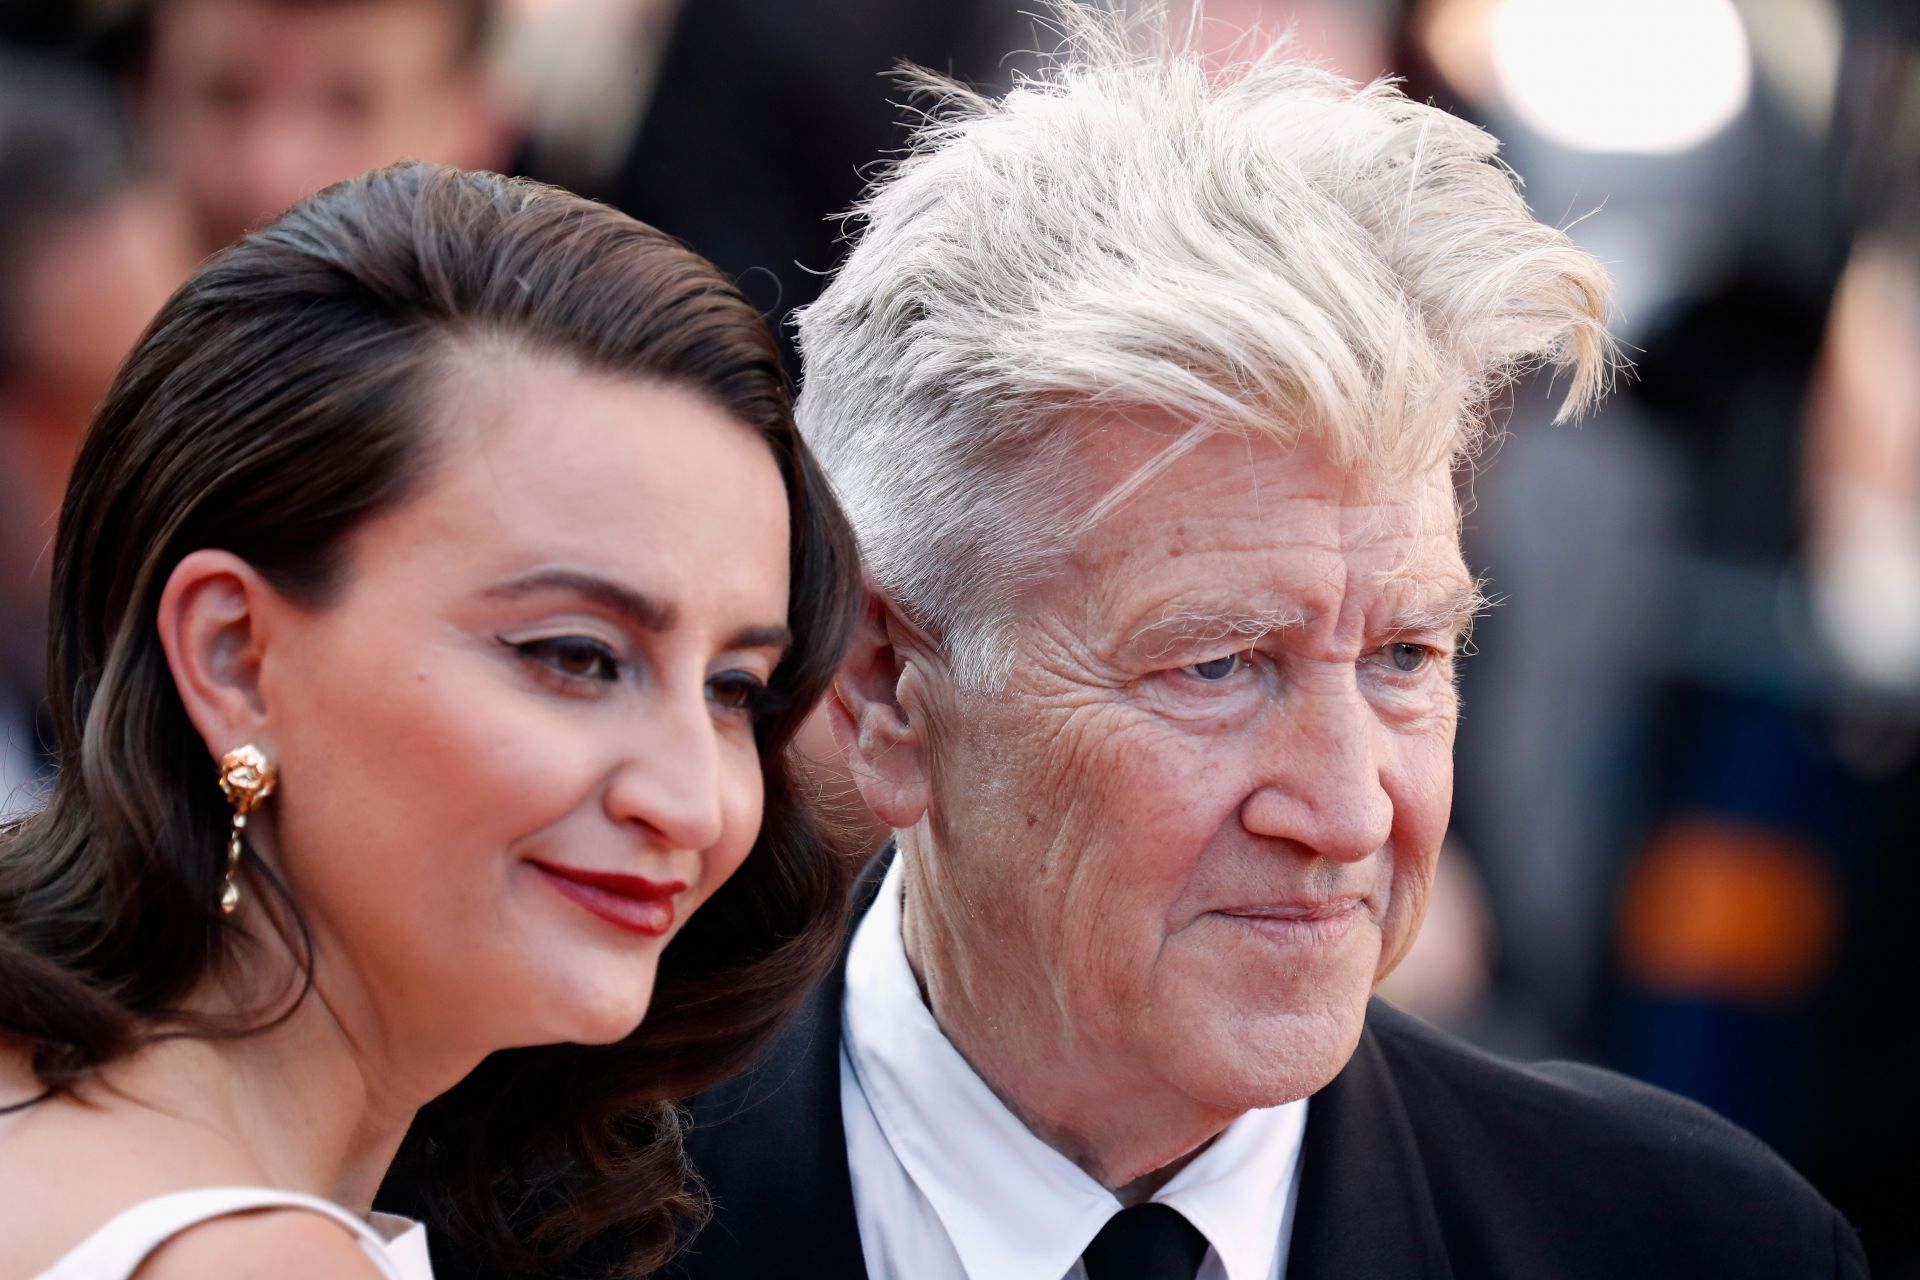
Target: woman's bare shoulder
(273,1244)
(70,1166)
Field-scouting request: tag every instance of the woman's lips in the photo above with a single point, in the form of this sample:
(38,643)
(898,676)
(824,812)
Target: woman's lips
(634,903)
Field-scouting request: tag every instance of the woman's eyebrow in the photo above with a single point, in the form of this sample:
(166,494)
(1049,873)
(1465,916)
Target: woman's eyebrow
(642,610)
(777,638)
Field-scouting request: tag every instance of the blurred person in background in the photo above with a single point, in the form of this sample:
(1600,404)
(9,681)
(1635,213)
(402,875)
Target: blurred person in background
(90,247)
(1862,554)
(249,105)
(766,117)
(1690,769)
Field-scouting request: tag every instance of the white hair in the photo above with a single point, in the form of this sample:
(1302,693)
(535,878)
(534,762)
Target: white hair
(1263,247)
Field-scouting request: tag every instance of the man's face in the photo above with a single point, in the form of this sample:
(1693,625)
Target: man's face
(1200,822)
(253,104)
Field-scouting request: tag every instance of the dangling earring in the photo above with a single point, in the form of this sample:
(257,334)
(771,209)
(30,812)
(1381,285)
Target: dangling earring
(246,777)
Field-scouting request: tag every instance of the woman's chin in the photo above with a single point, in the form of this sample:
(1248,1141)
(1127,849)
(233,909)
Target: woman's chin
(578,990)
(577,1012)
(596,1022)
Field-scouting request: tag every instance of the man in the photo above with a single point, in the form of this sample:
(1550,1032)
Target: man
(1142,386)
(252,104)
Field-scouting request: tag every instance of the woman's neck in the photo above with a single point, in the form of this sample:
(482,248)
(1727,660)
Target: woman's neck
(314,1113)
(318,1100)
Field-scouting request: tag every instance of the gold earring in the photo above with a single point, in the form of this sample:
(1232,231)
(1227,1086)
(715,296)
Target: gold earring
(246,778)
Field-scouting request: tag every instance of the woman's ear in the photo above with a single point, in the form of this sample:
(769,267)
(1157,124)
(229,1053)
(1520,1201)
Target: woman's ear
(210,626)
(885,749)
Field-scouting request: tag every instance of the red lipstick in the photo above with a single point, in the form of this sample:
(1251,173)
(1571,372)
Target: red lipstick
(634,903)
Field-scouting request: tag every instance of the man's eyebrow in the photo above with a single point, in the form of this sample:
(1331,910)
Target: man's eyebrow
(1184,625)
(635,606)
(1449,614)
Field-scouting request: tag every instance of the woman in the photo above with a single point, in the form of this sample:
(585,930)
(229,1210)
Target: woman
(435,595)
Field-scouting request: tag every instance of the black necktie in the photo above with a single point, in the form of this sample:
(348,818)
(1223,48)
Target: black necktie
(1146,1242)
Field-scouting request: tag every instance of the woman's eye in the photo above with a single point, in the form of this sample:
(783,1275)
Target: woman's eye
(1218,669)
(738,692)
(575,657)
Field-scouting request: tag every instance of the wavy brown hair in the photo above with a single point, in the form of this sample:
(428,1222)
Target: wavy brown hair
(278,401)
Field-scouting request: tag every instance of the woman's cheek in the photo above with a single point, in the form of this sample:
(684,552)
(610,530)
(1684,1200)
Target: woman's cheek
(744,807)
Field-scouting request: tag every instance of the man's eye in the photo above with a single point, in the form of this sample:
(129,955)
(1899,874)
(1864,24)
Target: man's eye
(1218,669)
(1408,658)
(737,691)
(575,657)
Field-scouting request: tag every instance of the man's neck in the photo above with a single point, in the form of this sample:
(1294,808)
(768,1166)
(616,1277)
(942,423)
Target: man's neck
(1126,1128)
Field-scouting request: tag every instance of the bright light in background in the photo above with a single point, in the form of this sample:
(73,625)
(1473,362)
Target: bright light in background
(1645,76)
(1797,46)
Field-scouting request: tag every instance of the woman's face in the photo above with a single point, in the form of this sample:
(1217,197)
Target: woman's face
(517,751)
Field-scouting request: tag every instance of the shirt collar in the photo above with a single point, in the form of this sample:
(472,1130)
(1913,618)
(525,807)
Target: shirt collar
(1013,1207)
(1239,1191)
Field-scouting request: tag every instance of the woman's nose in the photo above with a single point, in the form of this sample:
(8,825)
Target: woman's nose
(669,780)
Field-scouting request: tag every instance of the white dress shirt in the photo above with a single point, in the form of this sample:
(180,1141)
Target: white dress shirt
(949,1185)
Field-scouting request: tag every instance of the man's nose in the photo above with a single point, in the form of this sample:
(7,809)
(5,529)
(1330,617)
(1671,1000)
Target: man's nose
(668,782)
(1319,780)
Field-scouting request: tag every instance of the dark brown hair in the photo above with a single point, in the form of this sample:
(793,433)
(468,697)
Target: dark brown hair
(279,400)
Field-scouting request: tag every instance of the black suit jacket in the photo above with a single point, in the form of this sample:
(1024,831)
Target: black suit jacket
(1423,1158)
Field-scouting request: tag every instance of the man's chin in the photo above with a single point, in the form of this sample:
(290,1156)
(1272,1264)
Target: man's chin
(1273,1058)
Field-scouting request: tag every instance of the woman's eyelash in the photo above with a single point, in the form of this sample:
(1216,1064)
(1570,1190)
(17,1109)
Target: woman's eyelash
(570,657)
(581,661)
(738,692)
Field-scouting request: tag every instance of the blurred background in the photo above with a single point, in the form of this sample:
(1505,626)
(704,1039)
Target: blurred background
(1687,835)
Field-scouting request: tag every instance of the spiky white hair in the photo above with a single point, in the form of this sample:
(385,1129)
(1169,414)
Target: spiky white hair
(1263,247)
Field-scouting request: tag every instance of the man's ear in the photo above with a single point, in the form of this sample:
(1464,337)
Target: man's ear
(210,627)
(885,749)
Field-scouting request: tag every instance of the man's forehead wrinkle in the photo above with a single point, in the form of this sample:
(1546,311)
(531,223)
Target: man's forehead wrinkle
(1366,523)
(1253,478)
(1061,646)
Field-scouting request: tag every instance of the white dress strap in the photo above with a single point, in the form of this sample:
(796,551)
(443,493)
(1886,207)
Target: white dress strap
(116,1250)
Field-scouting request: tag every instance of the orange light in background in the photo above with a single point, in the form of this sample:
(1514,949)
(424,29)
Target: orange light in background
(1723,909)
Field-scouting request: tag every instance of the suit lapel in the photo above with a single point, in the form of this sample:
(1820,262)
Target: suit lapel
(772,1149)
(1364,1207)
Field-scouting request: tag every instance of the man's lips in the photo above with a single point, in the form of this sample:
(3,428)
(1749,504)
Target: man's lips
(1316,922)
(634,903)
